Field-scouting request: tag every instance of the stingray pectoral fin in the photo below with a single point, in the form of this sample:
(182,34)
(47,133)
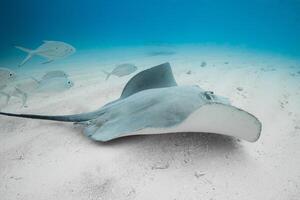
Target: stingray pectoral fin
(225,120)
(214,118)
(109,129)
(210,118)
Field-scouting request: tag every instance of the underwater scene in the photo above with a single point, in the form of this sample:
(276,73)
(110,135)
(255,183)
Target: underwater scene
(157,99)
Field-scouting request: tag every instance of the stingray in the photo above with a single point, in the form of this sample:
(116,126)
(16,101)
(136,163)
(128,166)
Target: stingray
(153,103)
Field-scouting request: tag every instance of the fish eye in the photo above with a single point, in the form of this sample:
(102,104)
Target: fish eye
(69,82)
(10,74)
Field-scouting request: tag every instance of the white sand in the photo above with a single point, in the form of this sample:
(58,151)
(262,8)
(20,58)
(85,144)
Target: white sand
(52,160)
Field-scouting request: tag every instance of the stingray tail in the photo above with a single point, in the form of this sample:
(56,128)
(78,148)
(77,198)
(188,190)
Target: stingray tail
(62,118)
(29,56)
(107,74)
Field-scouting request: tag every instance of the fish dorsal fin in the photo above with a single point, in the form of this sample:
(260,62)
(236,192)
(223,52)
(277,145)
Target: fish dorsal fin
(49,41)
(159,76)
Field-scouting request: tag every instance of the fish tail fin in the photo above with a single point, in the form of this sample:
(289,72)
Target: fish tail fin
(7,97)
(24,96)
(24,49)
(28,57)
(48,61)
(107,74)
(35,79)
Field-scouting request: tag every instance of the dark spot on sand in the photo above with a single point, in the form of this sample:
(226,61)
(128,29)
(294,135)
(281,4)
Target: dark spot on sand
(239,88)
(189,72)
(203,64)
(160,166)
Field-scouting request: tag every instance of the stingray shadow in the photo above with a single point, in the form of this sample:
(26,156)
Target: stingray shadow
(176,149)
(194,137)
(173,144)
(166,141)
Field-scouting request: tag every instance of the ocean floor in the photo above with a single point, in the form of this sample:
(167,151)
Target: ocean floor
(52,160)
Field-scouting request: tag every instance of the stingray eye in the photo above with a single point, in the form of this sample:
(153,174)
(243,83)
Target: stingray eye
(207,96)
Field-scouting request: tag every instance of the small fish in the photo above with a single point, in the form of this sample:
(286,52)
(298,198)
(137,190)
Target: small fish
(50,85)
(55,74)
(51,50)
(58,84)
(6,76)
(121,70)
(51,75)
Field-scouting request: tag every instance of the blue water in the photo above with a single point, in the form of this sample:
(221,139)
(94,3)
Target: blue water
(270,25)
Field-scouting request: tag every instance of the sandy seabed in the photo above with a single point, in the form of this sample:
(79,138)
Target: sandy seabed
(52,160)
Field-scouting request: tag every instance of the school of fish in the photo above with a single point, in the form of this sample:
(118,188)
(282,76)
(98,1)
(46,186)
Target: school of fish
(14,85)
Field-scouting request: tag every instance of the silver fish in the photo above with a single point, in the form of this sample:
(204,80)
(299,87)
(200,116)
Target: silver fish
(121,70)
(55,85)
(55,74)
(50,85)
(6,76)
(51,50)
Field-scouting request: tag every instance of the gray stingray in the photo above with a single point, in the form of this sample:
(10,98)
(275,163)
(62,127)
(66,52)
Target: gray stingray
(153,103)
